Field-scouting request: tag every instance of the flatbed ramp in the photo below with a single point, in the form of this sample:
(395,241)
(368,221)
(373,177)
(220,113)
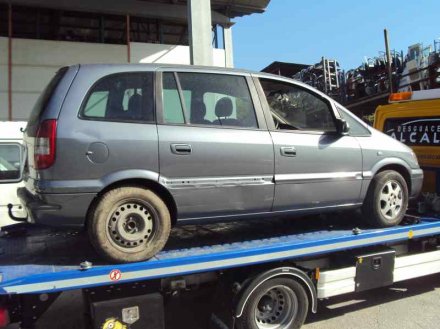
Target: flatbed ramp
(47,261)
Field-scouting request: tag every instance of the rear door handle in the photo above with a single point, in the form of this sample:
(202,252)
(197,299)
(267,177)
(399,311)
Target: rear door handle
(288,151)
(181,149)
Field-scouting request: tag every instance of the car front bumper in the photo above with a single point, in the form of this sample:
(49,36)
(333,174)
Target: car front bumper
(67,210)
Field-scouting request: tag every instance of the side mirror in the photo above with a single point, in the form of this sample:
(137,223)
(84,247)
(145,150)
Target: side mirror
(342,127)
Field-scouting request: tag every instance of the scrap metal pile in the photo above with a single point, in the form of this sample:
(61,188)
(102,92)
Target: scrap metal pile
(372,76)
(418,70)
(326,76)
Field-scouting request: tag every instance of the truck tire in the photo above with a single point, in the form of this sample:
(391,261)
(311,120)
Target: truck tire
(280,303)
(129,224)
(387,199)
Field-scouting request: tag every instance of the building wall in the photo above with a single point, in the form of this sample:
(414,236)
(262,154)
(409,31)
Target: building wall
(169,54)
(34,62)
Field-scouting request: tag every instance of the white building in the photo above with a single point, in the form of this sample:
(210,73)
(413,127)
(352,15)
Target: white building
(37,37)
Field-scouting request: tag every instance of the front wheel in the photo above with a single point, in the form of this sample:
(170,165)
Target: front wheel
(129,224)
(279,303)
(387,199)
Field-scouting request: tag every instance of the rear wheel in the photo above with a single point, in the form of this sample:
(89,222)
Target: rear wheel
(387,199)
(277,303)
(129,224)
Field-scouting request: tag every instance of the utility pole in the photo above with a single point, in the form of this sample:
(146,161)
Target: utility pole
(390,71)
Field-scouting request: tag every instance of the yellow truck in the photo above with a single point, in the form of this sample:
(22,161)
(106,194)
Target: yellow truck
(414,119)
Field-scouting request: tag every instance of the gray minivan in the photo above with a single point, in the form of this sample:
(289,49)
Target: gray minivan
(130,150)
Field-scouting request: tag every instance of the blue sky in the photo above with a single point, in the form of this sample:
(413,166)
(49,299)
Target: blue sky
(303,31)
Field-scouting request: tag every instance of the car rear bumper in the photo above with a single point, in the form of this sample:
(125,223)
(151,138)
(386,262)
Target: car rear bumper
(68,210)
(416,183)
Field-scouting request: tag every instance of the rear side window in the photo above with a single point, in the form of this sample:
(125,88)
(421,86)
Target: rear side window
(45,96)
(121,97)
(10,160)
(207,99)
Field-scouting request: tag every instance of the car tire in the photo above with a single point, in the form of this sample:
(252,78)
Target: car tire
(387,199)
(129,224)
(276,303)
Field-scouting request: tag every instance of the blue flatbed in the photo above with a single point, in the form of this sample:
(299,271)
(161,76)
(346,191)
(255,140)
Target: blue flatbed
(46,261)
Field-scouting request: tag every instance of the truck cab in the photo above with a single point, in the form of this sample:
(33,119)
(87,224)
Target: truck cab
(413,118)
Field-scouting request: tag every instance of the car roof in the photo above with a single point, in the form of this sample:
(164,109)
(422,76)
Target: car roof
(156,66)
(196,68)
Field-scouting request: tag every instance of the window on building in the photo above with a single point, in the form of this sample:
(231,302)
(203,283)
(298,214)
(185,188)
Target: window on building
(67,25)
(208,99)
(121,97)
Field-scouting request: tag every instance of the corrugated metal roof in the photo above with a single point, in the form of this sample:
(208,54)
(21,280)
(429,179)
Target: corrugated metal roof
(173,10)
(234,8)
(284,69)
(230,8)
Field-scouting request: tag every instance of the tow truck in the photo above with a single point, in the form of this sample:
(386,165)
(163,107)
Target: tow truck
(413,118)
(267,273)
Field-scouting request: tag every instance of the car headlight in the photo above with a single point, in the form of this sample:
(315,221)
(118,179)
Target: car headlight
(414,156)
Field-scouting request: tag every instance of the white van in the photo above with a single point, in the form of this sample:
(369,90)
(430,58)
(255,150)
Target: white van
(11,161)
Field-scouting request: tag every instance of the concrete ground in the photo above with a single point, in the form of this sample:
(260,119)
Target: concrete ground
(407,305)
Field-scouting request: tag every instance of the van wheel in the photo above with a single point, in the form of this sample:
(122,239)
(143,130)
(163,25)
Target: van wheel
(276,303)
(129,224)
(387,199)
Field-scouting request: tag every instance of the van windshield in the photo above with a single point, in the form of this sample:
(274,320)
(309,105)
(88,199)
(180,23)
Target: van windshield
(45,96)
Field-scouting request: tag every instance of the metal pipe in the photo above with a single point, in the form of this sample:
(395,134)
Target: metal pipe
(325,73)
(128,38)
(10,62)
(387,49)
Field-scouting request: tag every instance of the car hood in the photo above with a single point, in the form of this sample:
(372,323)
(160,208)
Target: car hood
(385,146)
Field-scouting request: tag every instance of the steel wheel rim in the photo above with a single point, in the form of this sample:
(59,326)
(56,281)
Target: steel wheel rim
(391,199)
(131,225)
(277,307)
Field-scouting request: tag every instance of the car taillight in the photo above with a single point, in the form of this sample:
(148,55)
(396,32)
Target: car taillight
(44,149)
(4,317)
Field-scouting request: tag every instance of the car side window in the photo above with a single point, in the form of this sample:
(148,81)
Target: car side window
(357,129)
(10,161)
(121,97)
(172,106)
(296,108)
(208,99)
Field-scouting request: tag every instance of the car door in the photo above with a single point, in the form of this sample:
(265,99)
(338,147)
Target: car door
(315,165)
(216,154)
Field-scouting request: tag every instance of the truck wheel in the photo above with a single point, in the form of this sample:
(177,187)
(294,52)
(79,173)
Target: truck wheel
(129,224)
(387,199)
(280,303)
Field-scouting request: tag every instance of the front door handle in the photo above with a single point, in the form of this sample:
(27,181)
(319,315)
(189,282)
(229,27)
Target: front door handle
(288,151)
(181,149)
